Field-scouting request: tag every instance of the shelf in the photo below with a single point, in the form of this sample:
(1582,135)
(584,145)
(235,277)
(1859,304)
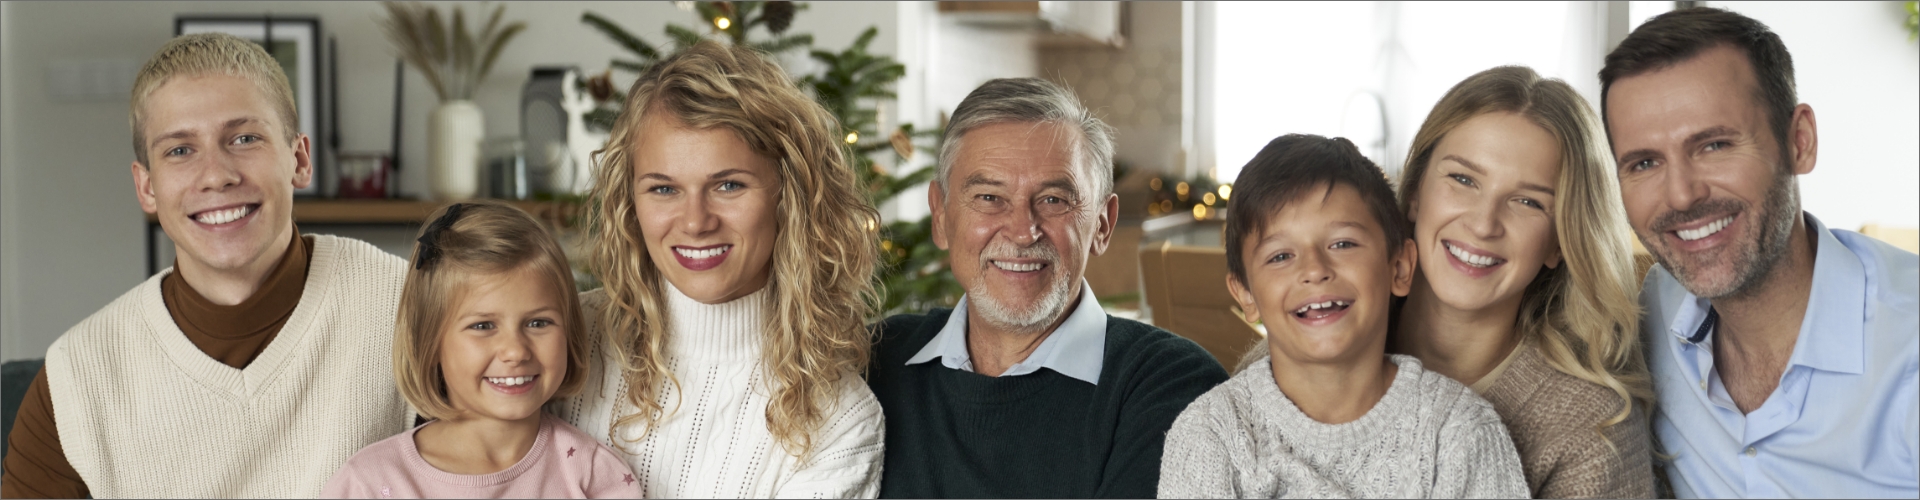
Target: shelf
(407,212)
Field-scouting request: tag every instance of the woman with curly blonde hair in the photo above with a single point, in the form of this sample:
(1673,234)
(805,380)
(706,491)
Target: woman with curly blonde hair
(733,243)
(1526,290)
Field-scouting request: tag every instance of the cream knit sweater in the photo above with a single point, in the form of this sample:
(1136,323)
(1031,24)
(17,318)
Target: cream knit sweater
(1428,437)
(142,412)
(715,443)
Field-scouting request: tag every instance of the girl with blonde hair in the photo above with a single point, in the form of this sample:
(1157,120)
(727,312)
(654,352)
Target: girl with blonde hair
(1526,288)
(734,245)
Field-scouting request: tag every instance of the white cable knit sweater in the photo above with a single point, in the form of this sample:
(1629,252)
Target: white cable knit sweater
(142,412)
(716,443)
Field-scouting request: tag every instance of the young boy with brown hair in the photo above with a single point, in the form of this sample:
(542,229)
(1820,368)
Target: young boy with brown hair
(1317,249)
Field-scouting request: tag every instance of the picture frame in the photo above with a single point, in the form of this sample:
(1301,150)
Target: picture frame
(295,43)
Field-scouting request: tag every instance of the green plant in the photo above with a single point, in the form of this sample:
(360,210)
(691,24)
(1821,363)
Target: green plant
(914,273)
(1913,21)
(454,60)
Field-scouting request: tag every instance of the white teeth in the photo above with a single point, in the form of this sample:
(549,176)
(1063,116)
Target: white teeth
(703,254)
(1321,305)
(1704,231)
(218,217)
(1471,259)
(510,381)
(1018,268)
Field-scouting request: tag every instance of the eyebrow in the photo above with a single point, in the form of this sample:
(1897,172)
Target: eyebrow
(978,179)
(185,133)
(1476,168)
(716,175)
(1696,137)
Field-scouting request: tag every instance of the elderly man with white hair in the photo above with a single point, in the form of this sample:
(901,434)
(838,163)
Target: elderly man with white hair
(1027,388)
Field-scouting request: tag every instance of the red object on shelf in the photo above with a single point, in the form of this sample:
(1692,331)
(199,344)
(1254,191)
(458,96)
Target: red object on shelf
(365,176)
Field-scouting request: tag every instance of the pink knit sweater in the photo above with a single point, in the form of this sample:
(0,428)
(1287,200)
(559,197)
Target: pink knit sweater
(563,463)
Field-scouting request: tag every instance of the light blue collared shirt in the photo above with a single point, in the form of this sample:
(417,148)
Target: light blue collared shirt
(1076,349)
(1844,420)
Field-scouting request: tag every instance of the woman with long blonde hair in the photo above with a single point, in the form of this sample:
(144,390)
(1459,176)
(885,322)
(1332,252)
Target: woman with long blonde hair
(1526,290)
(733,244)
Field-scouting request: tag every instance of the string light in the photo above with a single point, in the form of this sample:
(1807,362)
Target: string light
(1208,199)
(1226,191)
(722,23)
(853,137)
(1199,212)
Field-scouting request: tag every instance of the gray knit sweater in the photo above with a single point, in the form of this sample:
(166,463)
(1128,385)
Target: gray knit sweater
(1429,437)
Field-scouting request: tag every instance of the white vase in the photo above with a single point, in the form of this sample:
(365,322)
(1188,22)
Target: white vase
(453,150)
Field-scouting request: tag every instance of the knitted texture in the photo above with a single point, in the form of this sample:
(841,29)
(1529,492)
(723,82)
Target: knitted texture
(959,434)
(142,412)
(1554,420)
(1428,437)
(713,442)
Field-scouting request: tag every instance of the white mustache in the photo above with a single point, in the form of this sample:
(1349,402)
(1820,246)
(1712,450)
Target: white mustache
(1002,250)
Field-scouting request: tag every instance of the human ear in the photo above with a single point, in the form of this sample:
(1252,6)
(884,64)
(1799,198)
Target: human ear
(143,188)
(302,161)
(1803,140)
(1103,232)
(1405,263)
(936,200)
(1244,297)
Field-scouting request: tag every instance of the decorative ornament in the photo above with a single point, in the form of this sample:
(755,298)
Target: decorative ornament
(779,16)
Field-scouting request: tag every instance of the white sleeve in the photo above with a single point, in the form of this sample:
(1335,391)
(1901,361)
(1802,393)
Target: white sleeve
(847,454)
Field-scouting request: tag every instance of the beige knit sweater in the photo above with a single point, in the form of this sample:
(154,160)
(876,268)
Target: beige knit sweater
(142,412)
(1553,417)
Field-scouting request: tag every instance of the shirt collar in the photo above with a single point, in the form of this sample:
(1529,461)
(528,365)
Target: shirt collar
(1076,349)
(1832,335)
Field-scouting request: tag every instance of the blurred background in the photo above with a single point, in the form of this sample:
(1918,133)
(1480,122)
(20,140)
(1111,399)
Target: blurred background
(1193,88)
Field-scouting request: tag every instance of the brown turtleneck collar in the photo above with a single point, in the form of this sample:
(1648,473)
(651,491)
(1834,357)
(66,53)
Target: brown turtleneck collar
(236,334)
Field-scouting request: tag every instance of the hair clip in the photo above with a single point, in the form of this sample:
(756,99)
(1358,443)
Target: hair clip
(430,239)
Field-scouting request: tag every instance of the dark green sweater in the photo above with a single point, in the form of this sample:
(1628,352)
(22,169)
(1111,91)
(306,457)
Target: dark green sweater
(955,434)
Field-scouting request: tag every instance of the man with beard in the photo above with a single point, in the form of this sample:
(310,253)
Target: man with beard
(1783,352)
(1027,388)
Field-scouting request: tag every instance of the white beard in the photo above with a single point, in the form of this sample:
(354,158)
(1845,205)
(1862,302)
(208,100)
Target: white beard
(1039,313)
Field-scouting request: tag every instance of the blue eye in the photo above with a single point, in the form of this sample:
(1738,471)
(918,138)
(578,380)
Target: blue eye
(1640,165)
(177,151)
(662,190)
(732,186)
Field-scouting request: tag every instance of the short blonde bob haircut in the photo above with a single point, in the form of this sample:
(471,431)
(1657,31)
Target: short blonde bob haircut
(824,254)
(203,54)
(486,239)
(1584,316)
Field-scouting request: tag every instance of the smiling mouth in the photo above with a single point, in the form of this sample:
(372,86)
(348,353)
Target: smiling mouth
(1318,310)
(1704,231)
(1473,259)
(511,381)
(225,215)
(1017,267)
(702,253)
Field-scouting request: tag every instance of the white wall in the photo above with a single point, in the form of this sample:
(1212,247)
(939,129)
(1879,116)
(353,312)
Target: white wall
(1854,64)
(72,232)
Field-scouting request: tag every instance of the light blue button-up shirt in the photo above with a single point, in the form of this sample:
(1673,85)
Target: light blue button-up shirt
(1076,349)
(1845,418)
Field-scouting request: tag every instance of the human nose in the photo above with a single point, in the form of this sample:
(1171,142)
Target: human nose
(1683,185)
(515,347)
(1023,224)
(697,215)
(1486,220)
(1313,268)
(218,172)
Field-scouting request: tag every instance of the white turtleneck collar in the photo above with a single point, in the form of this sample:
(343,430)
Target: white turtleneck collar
(722,333)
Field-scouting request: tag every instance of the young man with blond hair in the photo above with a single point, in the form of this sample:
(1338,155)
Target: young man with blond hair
(258,363)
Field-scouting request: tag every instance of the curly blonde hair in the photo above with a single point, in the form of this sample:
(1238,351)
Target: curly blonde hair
(824,253)
(1585,314)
